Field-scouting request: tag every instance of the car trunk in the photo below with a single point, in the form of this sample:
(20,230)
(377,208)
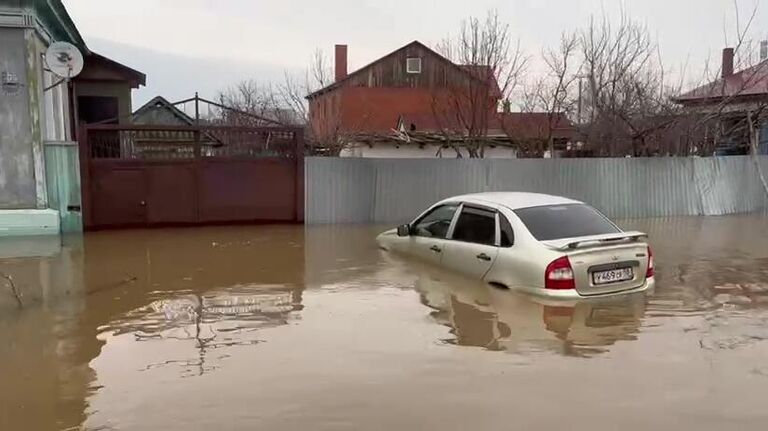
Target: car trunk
(602,267)
(600,270)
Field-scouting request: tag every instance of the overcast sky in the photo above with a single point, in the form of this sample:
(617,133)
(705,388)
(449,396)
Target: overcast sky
(204,45)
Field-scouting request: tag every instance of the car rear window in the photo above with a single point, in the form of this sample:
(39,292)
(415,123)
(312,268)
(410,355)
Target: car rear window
(564,221)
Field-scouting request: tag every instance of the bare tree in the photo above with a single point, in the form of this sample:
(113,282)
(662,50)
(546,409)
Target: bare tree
(292,92)
(714,113)
(14,290)
(493,64)
(250,97)
(286,102)
(553,93)
(730,117)
(626,97)
(612,76)
(326,136)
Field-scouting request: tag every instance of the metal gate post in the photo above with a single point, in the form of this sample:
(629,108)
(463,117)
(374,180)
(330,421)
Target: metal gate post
(197,164)
(298,137)
(85,176)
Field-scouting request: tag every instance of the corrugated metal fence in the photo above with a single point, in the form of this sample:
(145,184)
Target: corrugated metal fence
(349,190)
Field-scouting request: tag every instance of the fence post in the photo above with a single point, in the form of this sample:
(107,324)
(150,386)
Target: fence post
(197,149)
(299,157)
(84,147)
(197,163)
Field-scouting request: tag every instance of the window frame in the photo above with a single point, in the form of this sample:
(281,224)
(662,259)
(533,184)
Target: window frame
(497,233)
(432,209)
(499,215)
(410,71)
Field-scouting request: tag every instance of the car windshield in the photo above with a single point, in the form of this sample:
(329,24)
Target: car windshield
(565,221)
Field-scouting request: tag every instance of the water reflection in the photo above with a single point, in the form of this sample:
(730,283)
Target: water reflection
(206,323)
(203,289)
(39,269)
(707,263)
(495,319)
(149,329)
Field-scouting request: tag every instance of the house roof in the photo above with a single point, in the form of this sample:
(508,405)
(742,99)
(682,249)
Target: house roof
(428,122)
(516,125)
(534,125)
(521,125)
(160,102)
(101,68)
(471,70)
(752,81)
(52,16)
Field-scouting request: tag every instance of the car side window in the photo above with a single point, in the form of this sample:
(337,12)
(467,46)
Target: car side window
(476,225)
(435,224)
(507,234)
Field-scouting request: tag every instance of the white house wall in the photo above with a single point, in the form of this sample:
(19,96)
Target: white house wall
(17,177)
(410,151)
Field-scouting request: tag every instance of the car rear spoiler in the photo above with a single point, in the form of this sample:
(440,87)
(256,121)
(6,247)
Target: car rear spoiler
(573,243)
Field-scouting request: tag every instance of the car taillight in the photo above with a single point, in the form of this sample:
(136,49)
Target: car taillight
(649,272)
(559,275)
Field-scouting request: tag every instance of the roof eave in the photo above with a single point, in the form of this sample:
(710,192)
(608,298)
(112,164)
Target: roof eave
(136,78)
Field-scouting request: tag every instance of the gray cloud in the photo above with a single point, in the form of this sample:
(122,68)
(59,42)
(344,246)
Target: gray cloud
(178,77)
(188,45)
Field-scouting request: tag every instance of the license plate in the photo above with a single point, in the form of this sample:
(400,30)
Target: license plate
(612,276)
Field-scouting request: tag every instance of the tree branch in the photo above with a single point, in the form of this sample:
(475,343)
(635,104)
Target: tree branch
(14,289)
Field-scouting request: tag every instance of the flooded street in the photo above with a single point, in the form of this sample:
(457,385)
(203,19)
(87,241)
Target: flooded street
(287,327)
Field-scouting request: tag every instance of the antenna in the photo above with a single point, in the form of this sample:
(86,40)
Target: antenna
(64,60)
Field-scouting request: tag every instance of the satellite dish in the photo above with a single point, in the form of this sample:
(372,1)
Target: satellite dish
(64,59)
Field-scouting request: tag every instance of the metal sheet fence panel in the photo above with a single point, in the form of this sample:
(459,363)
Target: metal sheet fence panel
(403,185)
(391,190)
(730,185)
(338,190)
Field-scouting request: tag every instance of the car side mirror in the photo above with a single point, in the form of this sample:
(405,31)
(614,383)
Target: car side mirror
(404,230)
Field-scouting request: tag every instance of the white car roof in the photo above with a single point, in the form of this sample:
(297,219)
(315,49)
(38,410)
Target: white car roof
(513,200)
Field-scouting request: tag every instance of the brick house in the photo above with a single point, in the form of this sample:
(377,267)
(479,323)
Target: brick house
(413,102)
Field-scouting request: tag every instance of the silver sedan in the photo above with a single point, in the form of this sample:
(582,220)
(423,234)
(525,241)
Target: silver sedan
(535,243)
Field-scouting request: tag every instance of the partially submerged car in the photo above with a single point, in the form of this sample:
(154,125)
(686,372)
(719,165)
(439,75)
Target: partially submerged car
(541,244)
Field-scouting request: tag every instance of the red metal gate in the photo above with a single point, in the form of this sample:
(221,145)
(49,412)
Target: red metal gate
(184,175)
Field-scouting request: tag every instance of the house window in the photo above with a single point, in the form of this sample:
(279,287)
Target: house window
(95,109)
(413,65)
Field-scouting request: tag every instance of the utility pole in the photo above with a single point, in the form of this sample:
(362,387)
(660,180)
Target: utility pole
(578,114)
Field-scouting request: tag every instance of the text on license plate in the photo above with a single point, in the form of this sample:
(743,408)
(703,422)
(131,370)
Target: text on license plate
(612,276)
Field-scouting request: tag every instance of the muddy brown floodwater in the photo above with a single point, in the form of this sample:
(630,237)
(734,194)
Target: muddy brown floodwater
(292,328)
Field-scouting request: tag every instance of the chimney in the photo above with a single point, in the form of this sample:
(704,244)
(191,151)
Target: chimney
(764,50)
(727,62)
(341,62)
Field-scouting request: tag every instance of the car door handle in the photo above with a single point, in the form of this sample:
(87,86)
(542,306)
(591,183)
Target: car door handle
(436,249)
(483,256)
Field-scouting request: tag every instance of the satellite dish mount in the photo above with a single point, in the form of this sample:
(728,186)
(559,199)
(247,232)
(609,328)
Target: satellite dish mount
(63,60)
